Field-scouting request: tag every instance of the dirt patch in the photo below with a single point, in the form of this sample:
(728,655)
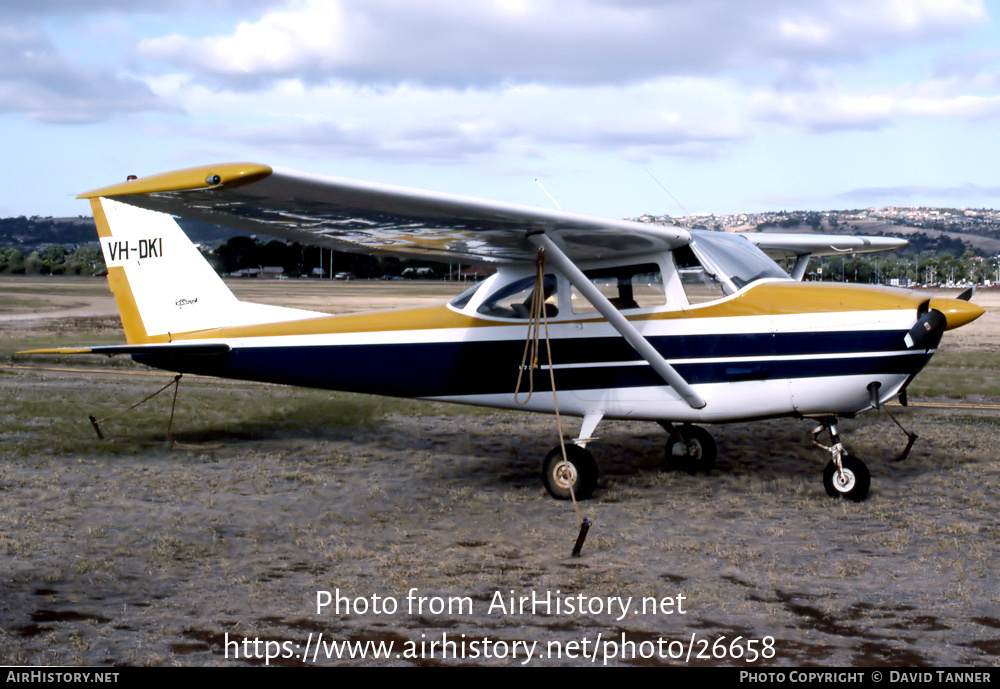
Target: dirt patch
(149,555)
(126,551)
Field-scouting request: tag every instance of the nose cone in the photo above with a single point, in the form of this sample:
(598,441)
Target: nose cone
(956,312)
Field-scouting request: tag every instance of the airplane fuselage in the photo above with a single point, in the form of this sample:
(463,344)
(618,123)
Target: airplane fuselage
(776,348)
(659,323)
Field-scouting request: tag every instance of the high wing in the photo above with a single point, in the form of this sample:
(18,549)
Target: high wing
(802,247)
(778,245)
(364,217)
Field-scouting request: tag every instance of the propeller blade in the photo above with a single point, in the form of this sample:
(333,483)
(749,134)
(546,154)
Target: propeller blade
(929,324)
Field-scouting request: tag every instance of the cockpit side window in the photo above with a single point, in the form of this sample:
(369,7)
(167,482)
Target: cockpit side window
(699,284)
(514,300)
(463,299)
(626,287)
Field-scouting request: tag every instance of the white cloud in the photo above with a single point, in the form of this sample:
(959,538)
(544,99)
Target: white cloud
(684,117)
(863,28)
(593,54)
(721,93)
(455,82)
(970,193)
(830,109)
(281,43)
(825,112)
(463,44)
(38,81)
(50,8)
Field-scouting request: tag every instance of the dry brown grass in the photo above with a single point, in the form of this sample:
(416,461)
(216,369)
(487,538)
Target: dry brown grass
(129,552)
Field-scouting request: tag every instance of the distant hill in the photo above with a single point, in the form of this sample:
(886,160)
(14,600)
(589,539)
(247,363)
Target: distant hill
(922,239)
(928,229)
(933,230)
(36,232)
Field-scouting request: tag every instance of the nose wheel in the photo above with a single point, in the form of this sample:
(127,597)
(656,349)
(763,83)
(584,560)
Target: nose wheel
(845,476)
(851,482)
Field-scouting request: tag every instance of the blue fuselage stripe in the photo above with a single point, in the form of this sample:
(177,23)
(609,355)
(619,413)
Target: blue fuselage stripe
(440,369)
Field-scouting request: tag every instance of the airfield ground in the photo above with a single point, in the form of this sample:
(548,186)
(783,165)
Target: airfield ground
(130,551)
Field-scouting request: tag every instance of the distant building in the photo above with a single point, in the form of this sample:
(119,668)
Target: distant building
(265,273)
(476,272)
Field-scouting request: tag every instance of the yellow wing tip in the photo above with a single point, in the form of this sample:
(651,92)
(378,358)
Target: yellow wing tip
(188,179)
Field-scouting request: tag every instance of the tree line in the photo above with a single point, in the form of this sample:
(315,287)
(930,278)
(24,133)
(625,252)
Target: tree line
(236,253)
(923,269)
(925,261)
(54,259)
(298,260)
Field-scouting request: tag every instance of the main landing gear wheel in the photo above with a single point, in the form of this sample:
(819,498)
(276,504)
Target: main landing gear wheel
(580,472)
(697,454)
(853,484)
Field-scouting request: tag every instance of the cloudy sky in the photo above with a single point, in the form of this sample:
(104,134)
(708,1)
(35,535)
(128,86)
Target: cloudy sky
(619,107)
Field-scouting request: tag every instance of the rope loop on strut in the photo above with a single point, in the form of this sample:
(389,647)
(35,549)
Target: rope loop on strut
(537,322)
(536,317)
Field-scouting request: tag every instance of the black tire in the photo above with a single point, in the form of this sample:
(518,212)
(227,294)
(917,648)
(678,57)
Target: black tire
(698,454)
(857,479)
(581,474)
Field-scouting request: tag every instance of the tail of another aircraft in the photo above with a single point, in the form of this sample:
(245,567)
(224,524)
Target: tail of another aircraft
(164,287)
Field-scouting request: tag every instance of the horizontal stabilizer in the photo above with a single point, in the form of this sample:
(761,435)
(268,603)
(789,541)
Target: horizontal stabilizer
(185,348)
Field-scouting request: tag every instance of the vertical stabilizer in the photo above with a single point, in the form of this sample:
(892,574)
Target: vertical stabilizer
(164,287)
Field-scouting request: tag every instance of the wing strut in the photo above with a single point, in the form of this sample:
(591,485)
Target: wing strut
(801,263)
(613,316)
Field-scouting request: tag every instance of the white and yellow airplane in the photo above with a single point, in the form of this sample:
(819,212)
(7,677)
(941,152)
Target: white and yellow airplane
(644,322)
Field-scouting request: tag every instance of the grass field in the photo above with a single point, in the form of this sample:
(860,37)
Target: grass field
(133,550)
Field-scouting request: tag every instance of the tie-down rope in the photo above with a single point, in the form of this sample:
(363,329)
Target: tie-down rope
(538,321)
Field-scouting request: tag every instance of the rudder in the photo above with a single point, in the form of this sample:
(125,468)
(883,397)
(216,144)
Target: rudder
(162,284)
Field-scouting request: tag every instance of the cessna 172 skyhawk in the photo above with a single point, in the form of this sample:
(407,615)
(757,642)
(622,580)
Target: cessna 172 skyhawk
(644,322)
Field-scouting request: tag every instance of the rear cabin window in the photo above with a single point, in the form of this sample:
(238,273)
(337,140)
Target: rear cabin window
(626,287)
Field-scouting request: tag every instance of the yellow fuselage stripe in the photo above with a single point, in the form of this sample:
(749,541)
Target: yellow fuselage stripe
(768,299)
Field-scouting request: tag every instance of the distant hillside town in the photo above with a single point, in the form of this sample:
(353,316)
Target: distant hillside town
(977,229)
(947,246)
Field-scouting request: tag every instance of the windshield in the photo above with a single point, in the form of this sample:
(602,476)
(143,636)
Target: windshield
(734,259)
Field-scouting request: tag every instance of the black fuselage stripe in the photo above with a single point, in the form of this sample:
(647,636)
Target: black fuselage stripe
(442,369)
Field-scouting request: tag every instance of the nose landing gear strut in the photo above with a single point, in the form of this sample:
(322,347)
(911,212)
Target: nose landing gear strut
(845,476)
